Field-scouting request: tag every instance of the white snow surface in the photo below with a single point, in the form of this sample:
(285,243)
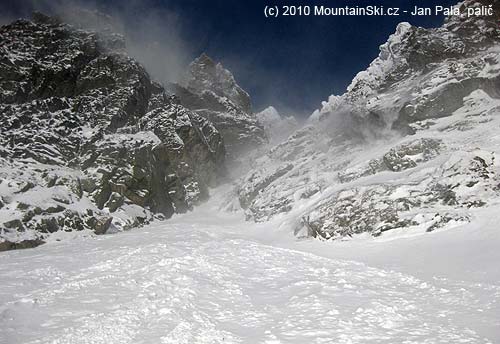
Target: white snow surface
(211,277)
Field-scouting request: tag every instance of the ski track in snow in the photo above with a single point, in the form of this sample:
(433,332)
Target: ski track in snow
(186,284)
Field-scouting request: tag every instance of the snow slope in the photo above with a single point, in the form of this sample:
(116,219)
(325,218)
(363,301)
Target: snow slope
(210,277)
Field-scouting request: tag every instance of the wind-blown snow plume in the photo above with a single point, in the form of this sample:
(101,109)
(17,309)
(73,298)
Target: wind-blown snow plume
(153,34)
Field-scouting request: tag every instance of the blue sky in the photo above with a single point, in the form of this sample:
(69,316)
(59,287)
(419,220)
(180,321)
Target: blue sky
(291,62)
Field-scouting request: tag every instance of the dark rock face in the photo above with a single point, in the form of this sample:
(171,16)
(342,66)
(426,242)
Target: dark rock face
(88,141)
(211,92)
(460,38)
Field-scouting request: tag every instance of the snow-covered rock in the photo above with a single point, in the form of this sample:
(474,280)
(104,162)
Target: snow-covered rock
(204,75)
(423,73)
(412,143)
(88,142)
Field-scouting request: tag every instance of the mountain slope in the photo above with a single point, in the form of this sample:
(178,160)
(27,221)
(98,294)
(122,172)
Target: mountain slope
(420,125)
(88,141)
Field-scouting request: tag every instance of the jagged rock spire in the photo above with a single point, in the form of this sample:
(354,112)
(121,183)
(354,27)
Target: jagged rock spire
(204,74)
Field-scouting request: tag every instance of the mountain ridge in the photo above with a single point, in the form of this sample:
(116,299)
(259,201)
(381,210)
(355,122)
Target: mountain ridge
(419,128)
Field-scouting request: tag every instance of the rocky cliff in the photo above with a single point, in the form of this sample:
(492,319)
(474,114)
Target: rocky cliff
(420,128)
(211,91)
(88,142)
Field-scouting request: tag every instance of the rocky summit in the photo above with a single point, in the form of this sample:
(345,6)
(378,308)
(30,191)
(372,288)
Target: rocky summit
(211,91)
(88,142)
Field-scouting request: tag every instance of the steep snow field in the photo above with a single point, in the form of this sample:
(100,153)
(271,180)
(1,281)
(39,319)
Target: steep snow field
(209,277)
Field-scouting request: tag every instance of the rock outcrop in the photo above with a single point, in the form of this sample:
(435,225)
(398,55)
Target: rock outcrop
(88,142)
